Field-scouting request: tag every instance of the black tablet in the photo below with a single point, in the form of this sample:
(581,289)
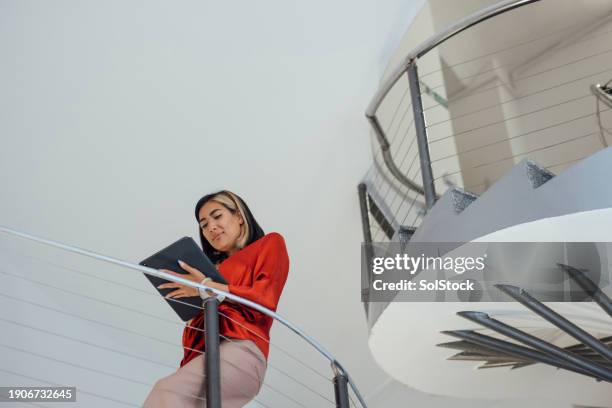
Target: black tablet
(187,251)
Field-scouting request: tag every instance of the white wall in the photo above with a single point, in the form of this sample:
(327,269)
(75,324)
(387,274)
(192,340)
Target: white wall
(115,117)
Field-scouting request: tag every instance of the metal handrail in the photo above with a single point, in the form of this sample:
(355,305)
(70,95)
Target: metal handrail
(335,364)
(403,67)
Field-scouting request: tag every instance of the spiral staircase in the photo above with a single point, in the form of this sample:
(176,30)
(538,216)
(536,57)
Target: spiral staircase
(504,138)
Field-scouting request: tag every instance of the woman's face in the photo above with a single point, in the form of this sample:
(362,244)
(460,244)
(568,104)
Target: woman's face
(220,226)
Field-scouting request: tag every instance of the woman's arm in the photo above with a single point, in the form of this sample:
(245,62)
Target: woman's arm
(269,274)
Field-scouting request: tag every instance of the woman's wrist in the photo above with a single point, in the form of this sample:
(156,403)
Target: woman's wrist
(203,292)
(212,284)
(218,286)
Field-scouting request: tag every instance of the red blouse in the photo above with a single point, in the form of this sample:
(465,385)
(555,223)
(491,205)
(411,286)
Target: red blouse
(258,273)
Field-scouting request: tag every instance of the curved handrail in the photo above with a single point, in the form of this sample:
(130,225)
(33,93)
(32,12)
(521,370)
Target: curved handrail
(426,46)
(336,366)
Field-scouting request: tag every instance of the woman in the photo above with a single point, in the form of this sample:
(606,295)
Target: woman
(255,266)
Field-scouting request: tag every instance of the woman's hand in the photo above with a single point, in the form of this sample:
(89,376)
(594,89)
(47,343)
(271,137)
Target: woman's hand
(181,291)
(193,275)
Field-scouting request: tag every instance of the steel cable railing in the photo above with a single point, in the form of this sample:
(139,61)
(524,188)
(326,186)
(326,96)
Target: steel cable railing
(411,156)
(144,358)
(415,199)
(471,136)
(532,134)
(522,154)
(518,98)
(385,197)
(433,42)
(505,66)
(498,51)
(154,295)
(493,143)
(399,147)
(133,356)
(338,370)
(403,152)
(85,319)
(113,375)
(503,121)
(286,374)
(115,351)
(391,124)
(389,191)
(539,149)
(550,167)
(501,84)
(397,209)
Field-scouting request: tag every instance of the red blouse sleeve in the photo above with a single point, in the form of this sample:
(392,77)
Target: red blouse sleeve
(269,275)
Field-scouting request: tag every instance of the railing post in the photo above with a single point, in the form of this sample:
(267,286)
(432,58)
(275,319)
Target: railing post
(421,134)
(341,391)
(212,375)
(362,190)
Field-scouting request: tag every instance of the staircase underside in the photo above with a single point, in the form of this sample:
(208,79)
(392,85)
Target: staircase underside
(528,204)
(404,339)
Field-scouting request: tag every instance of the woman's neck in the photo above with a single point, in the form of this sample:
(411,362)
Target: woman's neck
(232,251)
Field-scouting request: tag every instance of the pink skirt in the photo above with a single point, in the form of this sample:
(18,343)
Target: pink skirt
(243,367)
